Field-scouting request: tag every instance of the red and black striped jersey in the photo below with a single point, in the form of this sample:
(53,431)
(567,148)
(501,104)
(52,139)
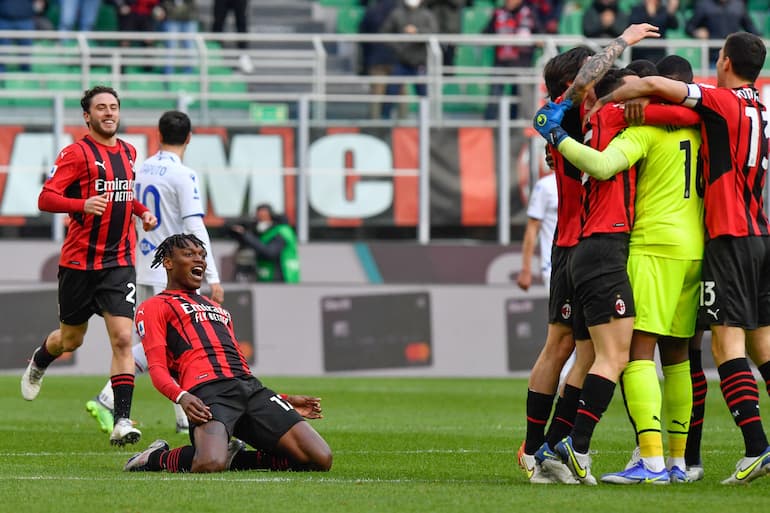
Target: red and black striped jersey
(608,205)
(568,185)
(734,152)
(87,168)
(190,336)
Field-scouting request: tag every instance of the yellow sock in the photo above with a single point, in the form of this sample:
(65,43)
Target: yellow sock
(643,398)
(677,401)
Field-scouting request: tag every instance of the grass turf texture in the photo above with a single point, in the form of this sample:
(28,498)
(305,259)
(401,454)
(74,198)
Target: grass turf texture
(401,445)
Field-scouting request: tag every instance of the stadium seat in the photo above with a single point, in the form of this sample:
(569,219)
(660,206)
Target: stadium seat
(340,3)
(348,19)
(571,21)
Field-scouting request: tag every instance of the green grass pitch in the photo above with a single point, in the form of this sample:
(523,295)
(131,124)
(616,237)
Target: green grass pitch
(400,445)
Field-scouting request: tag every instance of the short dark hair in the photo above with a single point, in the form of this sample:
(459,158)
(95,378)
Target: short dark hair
(643,68)
(563,68)
(611,81)
(266,206)
(675,67)
(747,54)
(88,94)
(174,127)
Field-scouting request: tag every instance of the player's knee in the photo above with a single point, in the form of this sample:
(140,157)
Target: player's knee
(204,465)
(69,344)
(323,461)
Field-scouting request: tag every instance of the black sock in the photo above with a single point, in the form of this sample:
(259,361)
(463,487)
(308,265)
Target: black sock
(699,389)
(174,460)
(43,358)
(596,397)
(764,369)
(262,460)
(123,390)
(739,388)
(538,410)
(564,415)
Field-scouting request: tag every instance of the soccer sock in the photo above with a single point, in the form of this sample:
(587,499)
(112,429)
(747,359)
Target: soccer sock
(643,400)
(123,391)
(42,357)
(181,416)
(596,396)
(106,396)
(677,403)
(262,460)
(538,410)
(739,388)
(699,390)
(179,459)
(764,369)
(564,415)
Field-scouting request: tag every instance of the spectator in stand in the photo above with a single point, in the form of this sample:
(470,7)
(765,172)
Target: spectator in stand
(655,12)
(42,22)
(603,18)
(447,13)
(80,12)
(411,17)
(15,15)
(515,18)
(240,10)
(378,59)
(179,17)
(548,13)
(138,16)
(717,19)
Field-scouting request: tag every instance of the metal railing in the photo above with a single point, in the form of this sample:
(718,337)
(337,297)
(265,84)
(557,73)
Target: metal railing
(207,80)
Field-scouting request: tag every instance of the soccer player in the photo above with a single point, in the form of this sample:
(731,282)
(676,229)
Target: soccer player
(92,180)
(735,279)
(570,76)
(192,337)
(664,264)
(541,225)
(172,191)
(604,306)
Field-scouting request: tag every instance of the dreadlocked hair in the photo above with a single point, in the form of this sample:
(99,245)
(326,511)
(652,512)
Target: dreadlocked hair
(179,241)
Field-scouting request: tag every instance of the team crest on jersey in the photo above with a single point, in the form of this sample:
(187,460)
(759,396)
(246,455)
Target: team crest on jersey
(566,311)
(146,247)
(620,306)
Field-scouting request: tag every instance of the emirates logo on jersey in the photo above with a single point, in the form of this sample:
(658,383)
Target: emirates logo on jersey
(620,306)
(566,311)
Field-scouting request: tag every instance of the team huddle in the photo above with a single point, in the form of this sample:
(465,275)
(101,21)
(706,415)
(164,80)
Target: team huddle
(661,234)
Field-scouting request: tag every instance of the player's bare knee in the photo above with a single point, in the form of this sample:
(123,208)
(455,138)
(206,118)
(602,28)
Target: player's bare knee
(204,465)
(323,461)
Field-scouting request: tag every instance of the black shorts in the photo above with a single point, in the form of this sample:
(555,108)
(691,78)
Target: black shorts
(561,294)
(249,411)
(735,282)
(600,278)
(85,293)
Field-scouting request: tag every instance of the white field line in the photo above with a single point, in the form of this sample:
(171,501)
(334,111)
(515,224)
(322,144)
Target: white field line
(265,478)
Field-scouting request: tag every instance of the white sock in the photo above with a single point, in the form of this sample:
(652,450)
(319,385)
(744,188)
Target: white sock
(676,462)
(654,463)
(140,360)
(181,416)
(106,397)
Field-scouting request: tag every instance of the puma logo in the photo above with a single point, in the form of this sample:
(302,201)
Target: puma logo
(713,312)
(683,424)
(100,164)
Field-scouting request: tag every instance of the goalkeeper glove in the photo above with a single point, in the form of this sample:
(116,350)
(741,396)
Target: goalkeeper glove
(548,121)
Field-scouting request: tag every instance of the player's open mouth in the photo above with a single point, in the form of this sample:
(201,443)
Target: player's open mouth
(197,271)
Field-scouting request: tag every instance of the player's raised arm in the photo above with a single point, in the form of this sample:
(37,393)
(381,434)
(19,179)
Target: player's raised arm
(597,65)
(673,91)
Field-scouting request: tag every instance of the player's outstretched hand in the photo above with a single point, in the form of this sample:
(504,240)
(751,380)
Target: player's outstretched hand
(96,205)
(635,33)
(547,121)
(308,407)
